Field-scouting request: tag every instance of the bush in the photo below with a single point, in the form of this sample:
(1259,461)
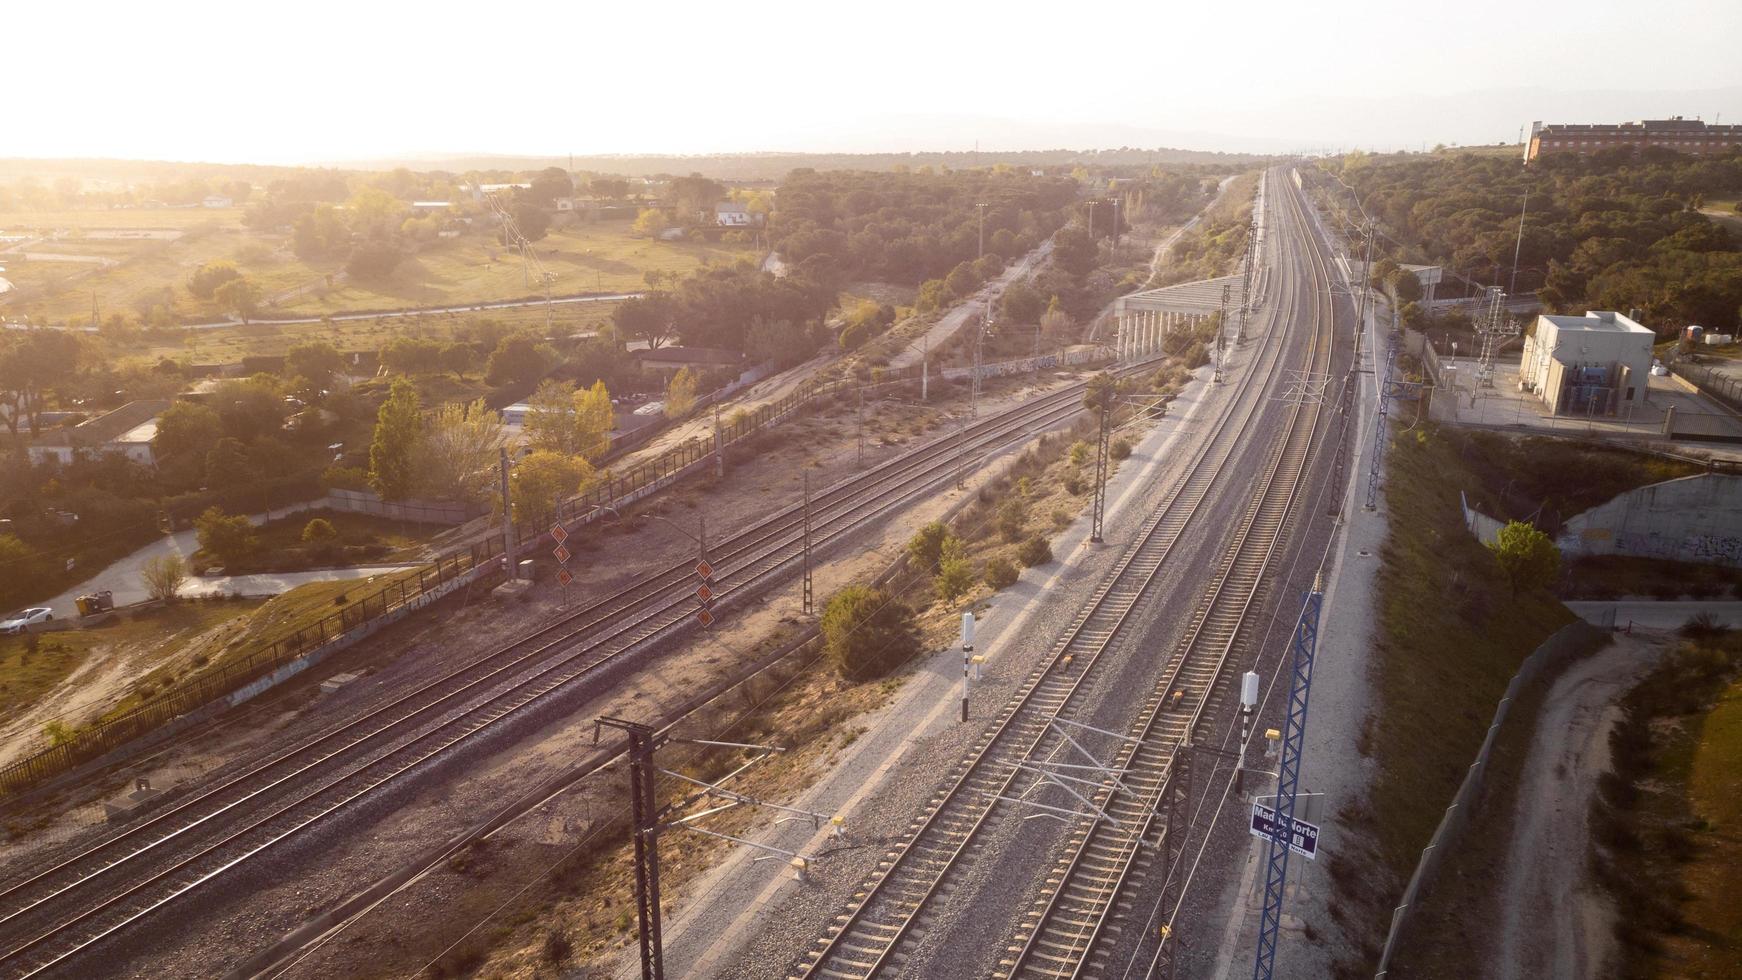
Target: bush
(1000,573)
(1074,485)
(228,538)
(926,548)
(1011,517)
(867,632)
(1120,449)
(557,947)
(345,478)
(1081,453)
(1034,551)
(318,531)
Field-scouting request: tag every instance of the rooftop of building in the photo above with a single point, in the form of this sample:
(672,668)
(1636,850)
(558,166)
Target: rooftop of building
(1607,321)
(116,426)
(1675,124)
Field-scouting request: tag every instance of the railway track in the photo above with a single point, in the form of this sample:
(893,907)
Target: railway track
(54,914)
(868,938)
(1062,936)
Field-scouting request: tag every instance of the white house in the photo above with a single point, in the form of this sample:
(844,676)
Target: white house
(1587,365)
(127,430)
(216,201)
(732,214)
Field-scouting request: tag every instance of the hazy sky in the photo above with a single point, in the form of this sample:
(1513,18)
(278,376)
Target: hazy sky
(323,81)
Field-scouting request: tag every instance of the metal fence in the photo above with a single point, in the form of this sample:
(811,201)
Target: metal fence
(1566,644)
(405,589)
(1721,386)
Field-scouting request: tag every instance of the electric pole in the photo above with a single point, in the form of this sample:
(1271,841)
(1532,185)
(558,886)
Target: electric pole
(719,445)
(1100,481)
(644,809)
(982,210)
(1518,248)
(507,516)
(809,594)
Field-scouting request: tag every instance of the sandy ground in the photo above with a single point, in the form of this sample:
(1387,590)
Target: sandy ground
(1554,923)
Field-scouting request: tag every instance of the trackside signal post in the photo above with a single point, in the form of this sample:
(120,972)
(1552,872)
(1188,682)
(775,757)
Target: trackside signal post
(967,657)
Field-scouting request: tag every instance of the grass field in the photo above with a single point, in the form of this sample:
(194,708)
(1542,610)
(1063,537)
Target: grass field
(226,345)
(585,257)
(1712,946)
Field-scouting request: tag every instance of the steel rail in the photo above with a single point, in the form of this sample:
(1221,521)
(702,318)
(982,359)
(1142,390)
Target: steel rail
(868,492)
(861,942)
(1059,937)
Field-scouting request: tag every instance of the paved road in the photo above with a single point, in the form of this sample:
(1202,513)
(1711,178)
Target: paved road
(954,320)
(122,577)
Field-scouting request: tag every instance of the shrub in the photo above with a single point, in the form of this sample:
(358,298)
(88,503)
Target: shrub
(228,538)
(1074,485)
(557,947)
(1000,573)
(1120,449)
(1081,452)
(1010,519)
(926,548)
(867,632)
(1034,551)
(318,531)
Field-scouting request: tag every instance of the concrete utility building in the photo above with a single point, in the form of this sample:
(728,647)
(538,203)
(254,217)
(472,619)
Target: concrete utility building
(1587,365)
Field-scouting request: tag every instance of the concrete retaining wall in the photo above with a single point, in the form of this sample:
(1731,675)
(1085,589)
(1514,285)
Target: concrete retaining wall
(1694,519)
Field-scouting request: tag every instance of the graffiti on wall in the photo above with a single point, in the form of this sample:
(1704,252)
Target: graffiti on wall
(1726,548)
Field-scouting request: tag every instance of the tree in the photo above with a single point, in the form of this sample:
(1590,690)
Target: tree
(20,568)
(457,358)
(33,363)
(1527,557)
(867,632)
(1055,322)
(518,359)
(250,407)
(680,394)
(392,470)
(532,221)
(228,466)
(205,280)
(317,362)
(549,184)
(649,222)
(228,538)
(375,258)
(550,418)
(1023,304)
(594,419)
(652,318)
(237,296)
(186,429)
(319,234)
(318,531)
(459,448)
(955,573)
(163,576)
(540,480)
(1101,393)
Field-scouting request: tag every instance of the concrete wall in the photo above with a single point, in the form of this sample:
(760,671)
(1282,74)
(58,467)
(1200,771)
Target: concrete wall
(1695,518)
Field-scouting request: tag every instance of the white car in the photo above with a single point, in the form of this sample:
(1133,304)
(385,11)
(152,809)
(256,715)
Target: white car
(26,619)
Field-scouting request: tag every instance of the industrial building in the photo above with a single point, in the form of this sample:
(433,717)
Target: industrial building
(1587,365)
(1675,133)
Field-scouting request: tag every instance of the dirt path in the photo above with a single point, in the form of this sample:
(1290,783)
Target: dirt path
(1556,925)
